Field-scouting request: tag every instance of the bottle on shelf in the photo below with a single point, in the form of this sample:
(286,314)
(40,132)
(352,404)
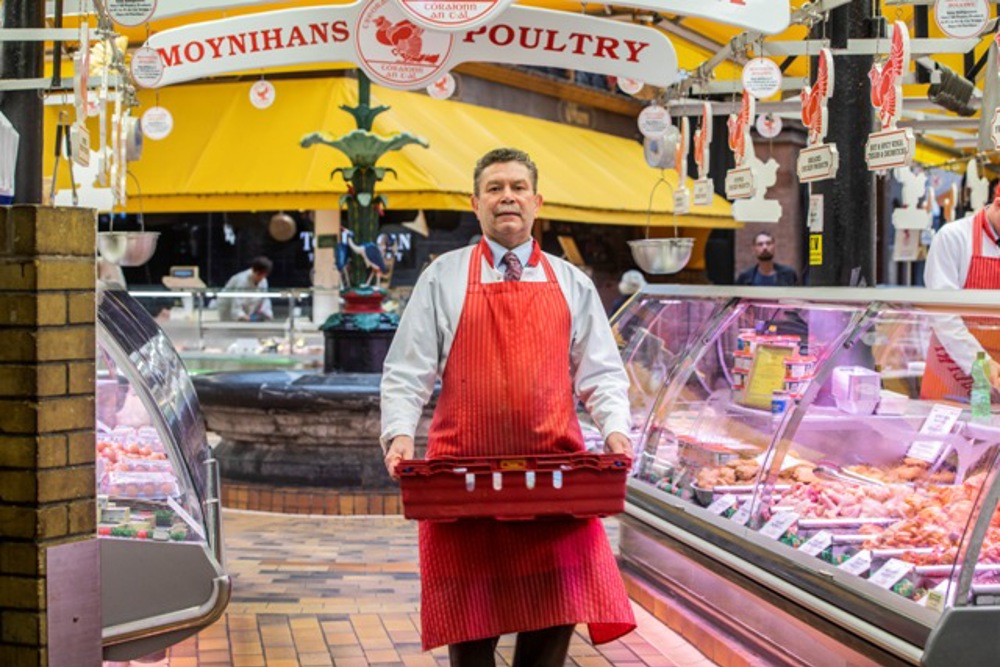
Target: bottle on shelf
(979,397)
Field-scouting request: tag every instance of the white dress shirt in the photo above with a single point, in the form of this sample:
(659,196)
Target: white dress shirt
(947,268)
(420,348)
(230,308)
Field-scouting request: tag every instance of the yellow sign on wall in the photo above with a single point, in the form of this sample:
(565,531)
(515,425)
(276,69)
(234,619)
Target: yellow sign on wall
(815,250)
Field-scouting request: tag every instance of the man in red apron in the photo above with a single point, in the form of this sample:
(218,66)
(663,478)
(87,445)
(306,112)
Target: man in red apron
(965,254)
(515,334)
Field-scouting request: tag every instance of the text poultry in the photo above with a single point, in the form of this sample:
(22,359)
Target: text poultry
(549,39)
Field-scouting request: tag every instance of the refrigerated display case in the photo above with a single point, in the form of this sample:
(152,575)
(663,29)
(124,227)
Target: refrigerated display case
(163,576)
(795,464)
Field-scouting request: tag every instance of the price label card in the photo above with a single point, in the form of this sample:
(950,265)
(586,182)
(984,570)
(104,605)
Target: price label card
(815,219)
(934,600)
(779,524)
(939,421)
(654,121)
(818,543)
(889,574)
(858,564)
(722,503)
(762,77)
(742,515)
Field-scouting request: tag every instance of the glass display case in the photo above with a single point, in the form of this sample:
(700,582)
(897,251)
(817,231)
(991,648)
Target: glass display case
(163,576)
(830,446)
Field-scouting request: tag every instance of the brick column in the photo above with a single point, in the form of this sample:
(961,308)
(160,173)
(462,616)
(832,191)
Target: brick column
(47,494)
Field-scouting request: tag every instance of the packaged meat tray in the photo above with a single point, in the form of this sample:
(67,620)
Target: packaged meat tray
(578,485)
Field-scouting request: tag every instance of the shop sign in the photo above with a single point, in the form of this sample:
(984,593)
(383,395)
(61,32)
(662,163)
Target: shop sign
(739,183)
(630,86)
(995,128)
(131,13)
(766,16)
(262,94)
(443,88)
(654,121)
(894,148)
(146,67)
(703,192)
(761,78)
(961,19)
(815,219)
(157,123)
(395,52)
(817,163)
(768,125)
(452,15)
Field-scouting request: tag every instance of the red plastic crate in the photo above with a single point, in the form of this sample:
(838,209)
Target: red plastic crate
(514,488)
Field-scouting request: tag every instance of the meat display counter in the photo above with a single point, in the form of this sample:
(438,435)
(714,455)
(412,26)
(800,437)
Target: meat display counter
(162,577)
(810,474)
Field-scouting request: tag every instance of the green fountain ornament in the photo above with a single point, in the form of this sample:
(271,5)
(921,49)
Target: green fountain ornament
(363,148)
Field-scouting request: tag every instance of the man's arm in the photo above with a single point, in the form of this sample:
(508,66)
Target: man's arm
(943,271)
(599,377)
(409,373)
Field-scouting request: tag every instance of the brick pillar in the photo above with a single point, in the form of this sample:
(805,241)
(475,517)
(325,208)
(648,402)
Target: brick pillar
(47,494)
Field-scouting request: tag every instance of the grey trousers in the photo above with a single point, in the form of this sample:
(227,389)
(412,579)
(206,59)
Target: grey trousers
(539,648)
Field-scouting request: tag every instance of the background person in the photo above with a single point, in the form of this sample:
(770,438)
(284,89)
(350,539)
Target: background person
(247,309)
(515,335)
(965,254)
(767,271)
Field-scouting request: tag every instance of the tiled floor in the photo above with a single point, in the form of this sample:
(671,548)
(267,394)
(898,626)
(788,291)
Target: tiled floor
(344,592)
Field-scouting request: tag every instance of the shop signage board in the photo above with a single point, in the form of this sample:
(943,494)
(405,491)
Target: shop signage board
(818,161)
(891,147)
(766,16)
(451,14)
(396,53)
(703,189)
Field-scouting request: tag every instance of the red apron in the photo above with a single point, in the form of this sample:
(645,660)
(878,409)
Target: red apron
(943,378)
(506,390)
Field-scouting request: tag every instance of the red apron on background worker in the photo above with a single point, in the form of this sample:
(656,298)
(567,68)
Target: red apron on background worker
(515,335)
(964,254)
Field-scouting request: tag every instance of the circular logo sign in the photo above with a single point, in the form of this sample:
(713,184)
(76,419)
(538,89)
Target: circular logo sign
(262,94)
(396,52)
(131,13)
(961,19)
(443,88)
(438,15)
(93,107)
(654,121)
(630,86)
(146,67)
(761,77)
(768,125)
(157,123)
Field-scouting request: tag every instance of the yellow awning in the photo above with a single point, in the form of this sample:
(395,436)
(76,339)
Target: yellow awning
(226,155)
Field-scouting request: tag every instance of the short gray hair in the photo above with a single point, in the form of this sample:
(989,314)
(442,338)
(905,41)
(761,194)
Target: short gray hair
(498,155)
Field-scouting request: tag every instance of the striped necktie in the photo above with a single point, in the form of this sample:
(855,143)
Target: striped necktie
(513,272)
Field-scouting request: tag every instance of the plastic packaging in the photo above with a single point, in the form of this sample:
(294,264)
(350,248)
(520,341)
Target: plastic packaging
(979,397)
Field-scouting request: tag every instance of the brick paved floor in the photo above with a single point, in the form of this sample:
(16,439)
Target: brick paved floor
(344,591)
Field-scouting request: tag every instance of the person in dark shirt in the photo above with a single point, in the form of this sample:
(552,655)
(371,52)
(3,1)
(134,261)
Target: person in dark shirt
(767,272)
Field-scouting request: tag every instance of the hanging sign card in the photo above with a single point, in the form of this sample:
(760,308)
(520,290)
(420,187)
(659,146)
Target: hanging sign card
(682,196)
(891,147)
(995,129)
(397,53)
(761,78)
(748,183)
(818,161)
(130,13)
(654,121)
(703,189)
(146,67)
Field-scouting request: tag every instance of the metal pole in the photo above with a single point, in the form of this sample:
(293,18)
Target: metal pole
(23,108)
(848,238)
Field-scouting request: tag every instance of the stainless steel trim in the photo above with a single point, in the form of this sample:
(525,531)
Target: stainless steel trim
(873,633)
(201,616)
(915,296)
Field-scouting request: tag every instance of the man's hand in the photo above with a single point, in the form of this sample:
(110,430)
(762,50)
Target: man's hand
(400,449)
(618,443)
